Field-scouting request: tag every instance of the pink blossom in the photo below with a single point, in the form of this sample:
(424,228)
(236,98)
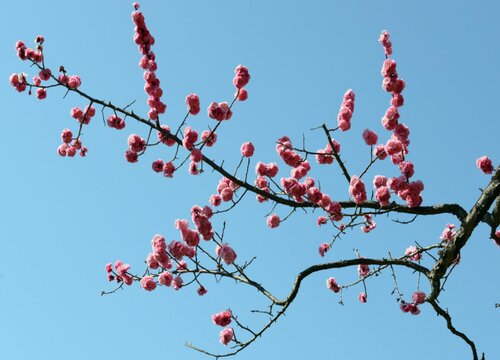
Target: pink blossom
(165,278)
(136,143)
(36,81)
(157,165)
(389,68)
(74,82)
(386,43)
(209,137)
(357,190)
(273,221)
(418,297)
(116,122)
(321,220)
(215,200)
(177,283)
(193,103)
(168,169)
(226,253)
(413,253)
(201,290)
(485,165)
(323,248)
(383,195)
(227,194)
(41,94)
(370,137)
(331,284)
(164,136)
(45,74)
(397,100)
(242,77)
(151,262)
(196,155)
(219,111)
(66,136)
(148,283)
(247,149)
(226,336)
(393,147)
(448,233)
(131,156)
(190,137)
(363,270)
(379,180)
(242,95)
(380,152)
(223,318)
(407,169)
(76,113)
(362,297)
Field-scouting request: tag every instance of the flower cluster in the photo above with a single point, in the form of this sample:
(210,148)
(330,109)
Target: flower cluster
(144,40)
(412,308)
(325,156)
(70,146)
(346,110)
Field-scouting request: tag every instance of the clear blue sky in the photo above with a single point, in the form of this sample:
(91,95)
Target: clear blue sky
(63,219)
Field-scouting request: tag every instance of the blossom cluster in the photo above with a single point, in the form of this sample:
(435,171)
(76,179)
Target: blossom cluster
(144,40)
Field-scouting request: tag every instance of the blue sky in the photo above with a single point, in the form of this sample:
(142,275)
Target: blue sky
(63,219)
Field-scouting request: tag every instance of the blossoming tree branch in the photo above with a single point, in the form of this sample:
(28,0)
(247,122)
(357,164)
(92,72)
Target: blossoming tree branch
(203,251)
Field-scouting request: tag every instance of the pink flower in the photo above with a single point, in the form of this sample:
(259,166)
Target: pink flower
(242,95)
(193,103)
(242,77)
(363,270)
(116,122)
(168,169)
(223,318)
(331,284)
(393,147)
(226,336)
(379,180)
(418,297)
(131,156)
(247,149)
(413,253)
(45,74)
(380,152)
(273,221)
(136,143)
(41,94)
(383,195)
(148,283)
(165,278)
(448,233)
(357,190)
(370,137)
(323,248)
(209,137)
(362,297)
(215,200)
(485,165)
(74,82)
(66,136)
(196,155)
(163,136)
(321,220)
(219,111)
(201,290)
(177,283)
(157,165)
(386,43)
(226,253)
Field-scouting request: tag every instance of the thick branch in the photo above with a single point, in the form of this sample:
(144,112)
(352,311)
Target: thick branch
(475,215)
